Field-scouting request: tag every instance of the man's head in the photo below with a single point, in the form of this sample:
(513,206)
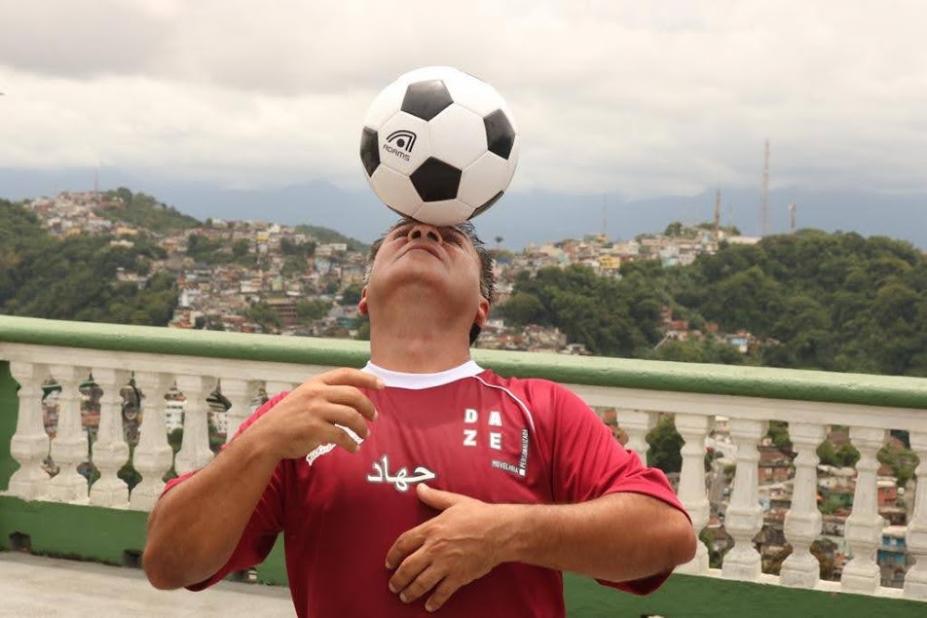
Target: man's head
(450,259)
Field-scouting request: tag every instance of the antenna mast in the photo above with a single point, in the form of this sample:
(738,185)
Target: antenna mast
(717,213)
(792,209)
(764,212)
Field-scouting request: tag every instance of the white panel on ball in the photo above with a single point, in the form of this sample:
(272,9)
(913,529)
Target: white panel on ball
(483,179)
(458,136)
(476,95)
(396,190)
(384,106)
(513,159)
(444,212)
(404,142)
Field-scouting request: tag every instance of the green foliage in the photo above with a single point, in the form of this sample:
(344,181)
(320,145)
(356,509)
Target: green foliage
(665,443)
(830,455)
(311,310)
(326,235)
(779,434)
(145,212)
(837,302)
(288,247)
(351,295)
(75,278)
(264,315)
(902,460)
(609,317)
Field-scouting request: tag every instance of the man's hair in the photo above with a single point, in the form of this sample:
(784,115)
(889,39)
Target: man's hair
(487,278)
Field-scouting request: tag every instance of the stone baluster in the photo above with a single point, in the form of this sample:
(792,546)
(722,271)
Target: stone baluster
(915,580)
(29,445)
(694,428)
(274,388)
(69,448)
(864,525)
(744,517)
(110,451)
(637,423)
(803,521)
(153,455)
(194,452)
(239,394)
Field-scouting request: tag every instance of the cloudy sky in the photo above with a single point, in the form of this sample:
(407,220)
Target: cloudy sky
(635,98)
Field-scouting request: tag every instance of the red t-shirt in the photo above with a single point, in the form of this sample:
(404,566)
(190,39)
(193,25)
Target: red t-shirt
(466,430)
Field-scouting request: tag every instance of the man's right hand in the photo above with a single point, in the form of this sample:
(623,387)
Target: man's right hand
(308,415)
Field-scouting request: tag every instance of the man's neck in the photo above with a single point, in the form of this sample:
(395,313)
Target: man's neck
(421,353)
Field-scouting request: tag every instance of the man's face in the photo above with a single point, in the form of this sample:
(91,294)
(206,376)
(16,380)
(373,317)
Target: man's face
(439,262)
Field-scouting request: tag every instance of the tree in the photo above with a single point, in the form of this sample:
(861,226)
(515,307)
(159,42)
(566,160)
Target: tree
(351,295)
(665,443)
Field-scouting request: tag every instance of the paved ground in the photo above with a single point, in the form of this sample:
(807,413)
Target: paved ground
(37,587)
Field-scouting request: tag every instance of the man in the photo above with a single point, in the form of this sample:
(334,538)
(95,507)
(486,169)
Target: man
(469,494)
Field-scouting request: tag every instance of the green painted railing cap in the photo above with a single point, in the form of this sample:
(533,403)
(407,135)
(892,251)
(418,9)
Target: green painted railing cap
(850,388)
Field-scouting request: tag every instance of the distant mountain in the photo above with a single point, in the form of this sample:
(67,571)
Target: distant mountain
(520,217)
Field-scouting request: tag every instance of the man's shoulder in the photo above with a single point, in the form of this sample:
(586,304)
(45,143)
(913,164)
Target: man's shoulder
(536,390)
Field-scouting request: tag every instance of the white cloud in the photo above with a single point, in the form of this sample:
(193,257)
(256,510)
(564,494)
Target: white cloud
(634,98)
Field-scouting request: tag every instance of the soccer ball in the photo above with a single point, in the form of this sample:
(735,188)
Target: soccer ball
(439,146)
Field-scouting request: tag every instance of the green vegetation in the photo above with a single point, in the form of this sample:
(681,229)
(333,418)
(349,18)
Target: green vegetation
(326,235)
(75,278)
(145,212)
(837,302)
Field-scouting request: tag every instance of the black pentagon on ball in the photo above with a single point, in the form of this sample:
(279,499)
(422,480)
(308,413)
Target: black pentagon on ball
(500,136)
(486,206)
(369,150)
(435,180)
(426,99)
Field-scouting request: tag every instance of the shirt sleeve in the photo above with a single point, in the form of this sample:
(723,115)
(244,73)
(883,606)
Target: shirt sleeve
(265,522)
(588,462)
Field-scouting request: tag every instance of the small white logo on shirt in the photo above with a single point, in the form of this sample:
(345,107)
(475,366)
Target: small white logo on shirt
(401,480)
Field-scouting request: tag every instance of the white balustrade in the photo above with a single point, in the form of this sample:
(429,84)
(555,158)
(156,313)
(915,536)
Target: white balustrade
(638,410)
(153,455)
(110,451)
(744,517)
(915,580)
(70,447)
(864,525)
(694,428)
(803,521)
(239,393)
(275,387)
(637,424)
(194,451)
(29,445)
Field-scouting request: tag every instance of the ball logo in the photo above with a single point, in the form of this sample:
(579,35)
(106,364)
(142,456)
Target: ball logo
(400,143)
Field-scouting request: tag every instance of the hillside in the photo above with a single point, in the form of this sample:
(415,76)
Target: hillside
(814,300)
(145,212)
(75,278)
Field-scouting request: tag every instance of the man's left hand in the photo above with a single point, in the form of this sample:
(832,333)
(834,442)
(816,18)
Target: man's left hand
(465,542)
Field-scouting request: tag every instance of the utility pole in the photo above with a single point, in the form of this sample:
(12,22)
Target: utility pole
(764,212)
(717,214)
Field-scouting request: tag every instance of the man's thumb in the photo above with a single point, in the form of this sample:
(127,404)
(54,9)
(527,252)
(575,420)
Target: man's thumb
(437,498)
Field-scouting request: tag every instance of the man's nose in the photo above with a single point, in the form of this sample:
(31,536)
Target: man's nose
(423,230)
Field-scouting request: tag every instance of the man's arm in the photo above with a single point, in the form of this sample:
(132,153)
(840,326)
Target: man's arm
(618,537)
(194,528)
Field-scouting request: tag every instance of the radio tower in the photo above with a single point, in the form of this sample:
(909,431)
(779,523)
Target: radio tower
(717,213)
(792,209)
(764,211)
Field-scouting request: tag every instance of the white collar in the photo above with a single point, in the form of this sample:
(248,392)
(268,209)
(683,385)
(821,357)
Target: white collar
(420,381)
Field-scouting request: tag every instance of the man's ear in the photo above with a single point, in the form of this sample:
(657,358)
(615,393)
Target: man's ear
(362,303)
(482,313)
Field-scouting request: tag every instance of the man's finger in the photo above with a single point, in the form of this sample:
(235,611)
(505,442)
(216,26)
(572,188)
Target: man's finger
(408,542)
(442,593)
(347,416)
(336,435)
(351,377)
(351,396)
(422,585)
(407,573)
(437,498)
